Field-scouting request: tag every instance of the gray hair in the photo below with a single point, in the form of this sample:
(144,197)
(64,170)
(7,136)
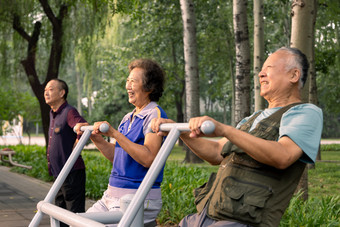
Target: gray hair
(298,61)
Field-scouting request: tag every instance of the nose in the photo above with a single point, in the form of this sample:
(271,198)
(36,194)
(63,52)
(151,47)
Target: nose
(127,85)
(261,74)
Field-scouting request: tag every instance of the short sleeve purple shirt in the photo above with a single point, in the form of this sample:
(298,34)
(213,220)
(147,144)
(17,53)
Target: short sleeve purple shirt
(62,138)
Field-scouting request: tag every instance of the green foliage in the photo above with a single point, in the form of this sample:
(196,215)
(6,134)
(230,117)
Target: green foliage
(34,156)
(177,188)
(111,103)
(14,103)
(331,125)
(277,22)
(330,147)
(102,37)
(327,64)
(98,170)
(323,211)
(7,104)
(321,178)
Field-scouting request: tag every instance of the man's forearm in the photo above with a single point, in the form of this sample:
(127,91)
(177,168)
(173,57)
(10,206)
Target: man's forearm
(208,150)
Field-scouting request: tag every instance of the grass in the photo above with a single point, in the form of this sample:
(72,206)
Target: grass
(180,180)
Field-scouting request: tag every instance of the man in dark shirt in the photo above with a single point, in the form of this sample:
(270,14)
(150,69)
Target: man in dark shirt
(63,117)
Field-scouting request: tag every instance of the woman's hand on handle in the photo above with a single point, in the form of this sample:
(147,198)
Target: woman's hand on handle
(97,126)
(155,125)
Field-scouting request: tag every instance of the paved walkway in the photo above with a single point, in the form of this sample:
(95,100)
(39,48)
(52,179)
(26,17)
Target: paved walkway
(19,195)
(34,140)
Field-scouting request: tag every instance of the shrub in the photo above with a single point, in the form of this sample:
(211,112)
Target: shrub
(323,211)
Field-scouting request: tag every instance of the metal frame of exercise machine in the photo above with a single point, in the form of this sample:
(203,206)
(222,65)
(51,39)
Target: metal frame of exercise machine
(132,206)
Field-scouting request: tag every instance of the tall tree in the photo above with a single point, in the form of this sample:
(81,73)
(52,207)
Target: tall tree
(191,67)
(242,79)
(29,63)
(259,102)
(50,24)
(302,37)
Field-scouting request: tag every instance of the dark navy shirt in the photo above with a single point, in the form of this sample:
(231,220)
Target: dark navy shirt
(62,138)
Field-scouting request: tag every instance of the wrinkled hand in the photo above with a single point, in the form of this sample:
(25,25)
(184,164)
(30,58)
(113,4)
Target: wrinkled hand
(196,123)
(78,126)
(96,130)
(155,124)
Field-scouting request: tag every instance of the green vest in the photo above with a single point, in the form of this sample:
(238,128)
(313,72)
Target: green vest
(245,190)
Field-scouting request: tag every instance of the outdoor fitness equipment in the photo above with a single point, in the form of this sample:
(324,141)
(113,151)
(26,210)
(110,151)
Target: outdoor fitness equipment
(132,206)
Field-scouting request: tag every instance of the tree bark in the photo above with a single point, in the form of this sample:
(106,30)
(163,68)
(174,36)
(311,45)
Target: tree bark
(259,102)
(302,37)
(242,82)
(191,67)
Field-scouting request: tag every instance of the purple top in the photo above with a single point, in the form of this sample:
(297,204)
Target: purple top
(62,138)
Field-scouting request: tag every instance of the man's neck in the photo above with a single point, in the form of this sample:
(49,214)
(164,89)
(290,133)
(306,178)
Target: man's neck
(283,103)
(285,99)
(56,106)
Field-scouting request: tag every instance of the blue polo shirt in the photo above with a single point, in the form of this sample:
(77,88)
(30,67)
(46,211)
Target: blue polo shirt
(126,172)
(62,138)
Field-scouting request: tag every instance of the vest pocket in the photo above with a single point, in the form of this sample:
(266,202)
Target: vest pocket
(242,200)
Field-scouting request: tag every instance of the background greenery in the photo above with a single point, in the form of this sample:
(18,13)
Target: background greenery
(99,43)
(321,209)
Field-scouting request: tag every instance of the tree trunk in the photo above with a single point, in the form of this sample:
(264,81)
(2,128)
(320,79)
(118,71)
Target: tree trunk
(54,59)
(191,67)
(259,102)
(302,37)
(232,109)
(242,81)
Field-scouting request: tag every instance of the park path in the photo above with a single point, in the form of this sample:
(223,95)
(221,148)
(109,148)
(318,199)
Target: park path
(34,140)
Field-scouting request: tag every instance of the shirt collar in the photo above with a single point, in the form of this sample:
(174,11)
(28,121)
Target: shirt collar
(145,110)
(54,114)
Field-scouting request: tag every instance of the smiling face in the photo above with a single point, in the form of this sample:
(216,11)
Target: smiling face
(134,86)
(275,76)
(54,94)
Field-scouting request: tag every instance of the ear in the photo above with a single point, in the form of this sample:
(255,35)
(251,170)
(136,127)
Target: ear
(295,76)
(62,93)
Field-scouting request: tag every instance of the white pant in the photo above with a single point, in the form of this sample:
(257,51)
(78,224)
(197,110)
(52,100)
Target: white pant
(110,202)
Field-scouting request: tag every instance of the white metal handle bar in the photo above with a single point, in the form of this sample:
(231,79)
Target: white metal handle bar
(207,127)
(66,169)
(103,128)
